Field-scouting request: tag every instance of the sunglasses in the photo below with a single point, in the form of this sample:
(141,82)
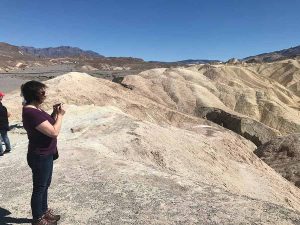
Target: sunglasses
(43,93)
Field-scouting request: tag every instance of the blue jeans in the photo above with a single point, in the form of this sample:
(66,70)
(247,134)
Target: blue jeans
(42,168)
(4,138)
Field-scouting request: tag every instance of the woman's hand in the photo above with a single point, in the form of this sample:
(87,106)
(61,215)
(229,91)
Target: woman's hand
(60,110)
(49,129)
(55,111)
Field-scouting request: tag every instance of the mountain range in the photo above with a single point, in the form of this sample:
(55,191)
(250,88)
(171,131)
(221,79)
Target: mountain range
(68,51)
(275,56)
(57,52)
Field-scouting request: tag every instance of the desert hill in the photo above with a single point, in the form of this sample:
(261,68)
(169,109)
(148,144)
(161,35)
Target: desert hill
(58,52)
(19,64)
(289,53)
(34,58)
(138,153)
(22,59)
(285,72)
(235,89)
(132,100)
(237,97)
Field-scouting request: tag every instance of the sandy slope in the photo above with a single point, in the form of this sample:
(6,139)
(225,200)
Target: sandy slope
(233,88)
(82,89)
(133,157)
(285,72)
(116,169)
(264,92)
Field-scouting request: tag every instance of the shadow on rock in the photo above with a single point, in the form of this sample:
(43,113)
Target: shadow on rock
(6,220)
(16,126)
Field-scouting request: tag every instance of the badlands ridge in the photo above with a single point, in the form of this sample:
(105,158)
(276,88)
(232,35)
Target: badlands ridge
(166,146)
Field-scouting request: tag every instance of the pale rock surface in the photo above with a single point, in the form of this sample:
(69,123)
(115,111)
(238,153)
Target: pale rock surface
(88,68)
(235,89)
(21,65)
(82,89)
(116,169)
(155,105)
(251,129)
(285,72)
(130,158)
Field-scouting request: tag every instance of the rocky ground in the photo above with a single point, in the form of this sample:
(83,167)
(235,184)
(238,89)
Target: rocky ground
(145,150)
(142,155)
(283,154)
(116,169)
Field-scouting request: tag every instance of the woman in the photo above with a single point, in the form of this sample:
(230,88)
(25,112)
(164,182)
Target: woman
(42,131)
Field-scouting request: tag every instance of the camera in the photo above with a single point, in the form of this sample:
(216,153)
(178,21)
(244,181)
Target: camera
(57,106)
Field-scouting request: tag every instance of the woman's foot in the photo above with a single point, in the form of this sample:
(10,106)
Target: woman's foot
(43,221)
(7,150)
(49,215)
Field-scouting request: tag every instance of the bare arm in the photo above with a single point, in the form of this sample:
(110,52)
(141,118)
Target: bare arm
(49,129)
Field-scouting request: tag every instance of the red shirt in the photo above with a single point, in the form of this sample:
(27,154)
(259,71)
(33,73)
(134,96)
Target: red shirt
(39,143)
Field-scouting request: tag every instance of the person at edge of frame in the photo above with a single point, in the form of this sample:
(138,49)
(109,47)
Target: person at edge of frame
(4,127)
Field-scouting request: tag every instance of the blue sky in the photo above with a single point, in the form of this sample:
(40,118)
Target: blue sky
(165,30)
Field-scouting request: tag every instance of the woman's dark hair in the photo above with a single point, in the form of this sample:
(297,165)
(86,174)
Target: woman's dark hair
(31,91)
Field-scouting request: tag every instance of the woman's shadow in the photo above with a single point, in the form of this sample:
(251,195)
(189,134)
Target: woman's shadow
(6,220)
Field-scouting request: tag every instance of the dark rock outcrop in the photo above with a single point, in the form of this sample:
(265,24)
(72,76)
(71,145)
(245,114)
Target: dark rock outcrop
(119,80)
(283,155)
(249,128)
(233,61)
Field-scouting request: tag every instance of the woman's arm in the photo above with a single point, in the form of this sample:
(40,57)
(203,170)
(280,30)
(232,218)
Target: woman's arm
(49,129)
